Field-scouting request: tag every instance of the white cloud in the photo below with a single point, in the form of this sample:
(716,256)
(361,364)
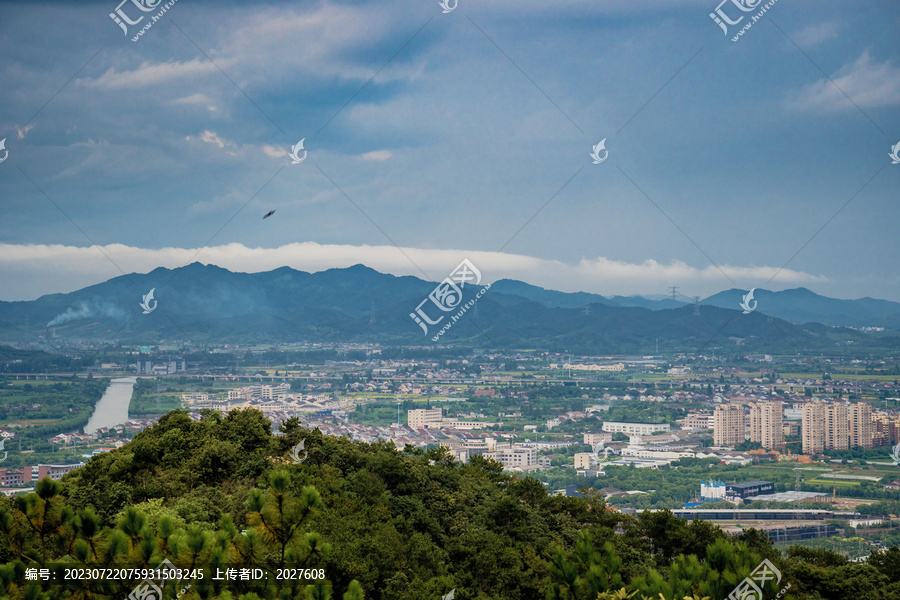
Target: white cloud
(21,133)
(43,269)
(377,155)
(197,99)
(815,34)
(210,137)
(151,74)
(274,151)
(868,83)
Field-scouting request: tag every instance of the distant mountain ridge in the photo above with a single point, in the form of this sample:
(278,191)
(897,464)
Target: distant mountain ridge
(797,306)
(800,305)
(206,303)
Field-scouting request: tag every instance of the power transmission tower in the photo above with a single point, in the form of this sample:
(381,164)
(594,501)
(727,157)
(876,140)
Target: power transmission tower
(696,306)
(674,291)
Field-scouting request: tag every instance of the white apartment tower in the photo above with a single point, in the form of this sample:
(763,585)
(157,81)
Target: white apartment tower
(766,424)
(861,425)
(837,427)
(813,428)
(729,426)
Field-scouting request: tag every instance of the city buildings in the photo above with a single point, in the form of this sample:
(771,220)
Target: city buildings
(861,428)
(718,491)
(791,428)
(813,428)
(26,475)
(766,425)
(258,392)
(585,460)
(634,428)
(729,425)
(698,420)
(597,438)
(517,456)
(836,426)
(148,367)
(432,418)
(837,429)
(422,418)
(885,430)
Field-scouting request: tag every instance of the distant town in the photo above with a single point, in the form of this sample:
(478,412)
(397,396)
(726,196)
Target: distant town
(569,421)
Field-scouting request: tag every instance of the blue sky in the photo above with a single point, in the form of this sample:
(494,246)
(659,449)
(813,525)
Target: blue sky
(451,136)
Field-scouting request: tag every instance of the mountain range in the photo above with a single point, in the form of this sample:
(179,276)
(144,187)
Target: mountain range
(209,304)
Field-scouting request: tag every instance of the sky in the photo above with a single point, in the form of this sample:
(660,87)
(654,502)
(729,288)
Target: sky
(431,137)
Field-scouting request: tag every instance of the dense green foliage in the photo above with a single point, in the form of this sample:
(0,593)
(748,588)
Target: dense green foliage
(384,524)
(16,360)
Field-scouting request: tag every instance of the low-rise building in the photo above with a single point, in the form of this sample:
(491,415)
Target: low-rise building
(635,428)
(594,439)
(699,420)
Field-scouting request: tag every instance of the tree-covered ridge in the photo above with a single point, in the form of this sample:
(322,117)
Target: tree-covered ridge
(409,525)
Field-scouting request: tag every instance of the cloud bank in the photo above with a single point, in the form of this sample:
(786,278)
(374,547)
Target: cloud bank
(60,268)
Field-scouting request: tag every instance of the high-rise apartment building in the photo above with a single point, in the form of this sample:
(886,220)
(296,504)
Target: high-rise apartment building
(813,427)
(729,425)
(766,426)
(837,427)
(861,429)
(885,429)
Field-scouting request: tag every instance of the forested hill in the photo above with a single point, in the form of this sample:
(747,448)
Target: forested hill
(380,523)
(208,304)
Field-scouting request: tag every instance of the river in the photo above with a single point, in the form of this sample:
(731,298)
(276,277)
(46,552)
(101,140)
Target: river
(112,409)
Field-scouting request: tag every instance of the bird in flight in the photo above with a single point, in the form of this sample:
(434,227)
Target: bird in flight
(269,214)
